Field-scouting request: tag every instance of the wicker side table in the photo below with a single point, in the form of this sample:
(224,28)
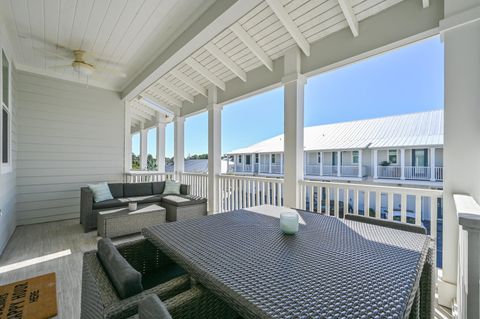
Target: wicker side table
(181,207)
(120,221)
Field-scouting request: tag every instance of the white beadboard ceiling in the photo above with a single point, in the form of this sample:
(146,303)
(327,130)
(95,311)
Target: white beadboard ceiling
(258,38)
(121,34)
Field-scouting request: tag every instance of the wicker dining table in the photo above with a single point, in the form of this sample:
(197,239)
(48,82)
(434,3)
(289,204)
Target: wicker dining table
(331,268)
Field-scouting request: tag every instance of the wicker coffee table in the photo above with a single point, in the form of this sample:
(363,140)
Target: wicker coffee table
(120,221)
(330,269)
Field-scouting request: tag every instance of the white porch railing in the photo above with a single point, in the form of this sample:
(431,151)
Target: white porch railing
(389,171)
(237,192)
(439,173)
(468,288)
(417,172)
(198,181)
(411,205)
(330,170)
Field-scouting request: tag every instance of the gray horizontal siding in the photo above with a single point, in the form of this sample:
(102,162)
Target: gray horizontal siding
(69,135)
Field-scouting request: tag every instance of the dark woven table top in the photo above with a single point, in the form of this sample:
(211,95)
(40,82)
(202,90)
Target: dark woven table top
(330,269)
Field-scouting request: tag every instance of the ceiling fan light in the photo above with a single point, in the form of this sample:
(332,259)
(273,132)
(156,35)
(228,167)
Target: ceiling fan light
(83,68)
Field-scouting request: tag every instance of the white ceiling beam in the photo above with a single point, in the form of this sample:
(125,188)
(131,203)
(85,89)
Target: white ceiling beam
(426,3)
(141,115)
(142,108)
(250,43)
(290,25)
(137,117)
(352,21)
(157,105)
(225,60)
(176,90)
(170,99)
(205,73)
(185,79)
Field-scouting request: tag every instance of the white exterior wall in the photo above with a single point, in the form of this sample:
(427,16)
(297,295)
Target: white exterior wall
(69,135)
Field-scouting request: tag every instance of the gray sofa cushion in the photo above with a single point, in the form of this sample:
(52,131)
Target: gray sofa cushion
(158,187)
(146,199)
(111,203)
(184,189)
(116,189)
(183,200)
(152,308)
(140,189)
(126,280)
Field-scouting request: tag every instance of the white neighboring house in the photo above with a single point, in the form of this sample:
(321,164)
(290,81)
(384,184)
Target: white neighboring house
(403,149)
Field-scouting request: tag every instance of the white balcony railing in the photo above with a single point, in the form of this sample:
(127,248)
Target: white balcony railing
(276,169)
(417,173)
(439,174)
(198,181)
(330,170)
(394,172)
(312,169)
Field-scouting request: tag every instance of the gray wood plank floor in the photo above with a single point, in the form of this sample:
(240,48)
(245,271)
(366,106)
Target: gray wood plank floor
(39,240)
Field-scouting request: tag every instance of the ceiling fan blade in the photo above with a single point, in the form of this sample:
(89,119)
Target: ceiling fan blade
(112,71)
(60,66)
(52,53)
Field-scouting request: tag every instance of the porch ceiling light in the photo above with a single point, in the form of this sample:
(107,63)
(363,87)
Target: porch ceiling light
(83,68)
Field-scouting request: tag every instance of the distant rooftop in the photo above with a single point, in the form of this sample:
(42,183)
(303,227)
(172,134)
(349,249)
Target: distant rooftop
(407,130)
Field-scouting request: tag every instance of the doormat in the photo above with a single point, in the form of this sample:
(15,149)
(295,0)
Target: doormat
(32,298)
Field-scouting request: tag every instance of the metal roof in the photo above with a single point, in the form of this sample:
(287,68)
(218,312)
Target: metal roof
(408,130)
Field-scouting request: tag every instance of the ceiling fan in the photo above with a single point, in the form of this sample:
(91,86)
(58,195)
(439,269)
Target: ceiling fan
(80,64)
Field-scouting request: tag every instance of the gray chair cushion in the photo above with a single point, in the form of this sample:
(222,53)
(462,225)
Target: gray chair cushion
(126,280)
(183,200)
(158,187)
(111,203)
(116,189)
(139,189)
(152,308)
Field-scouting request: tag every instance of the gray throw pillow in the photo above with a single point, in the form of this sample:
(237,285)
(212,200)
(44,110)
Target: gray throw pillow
(126,279)
(152,308)
(101,192)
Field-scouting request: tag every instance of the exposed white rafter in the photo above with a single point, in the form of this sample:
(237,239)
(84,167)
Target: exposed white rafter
(290,25)
(141,115)
(176,90)
(238,30)
(222,57)
(157,104)
(142,110)
(426,3)
(185,79)
(167,97)
(352,21)
(205,73)
(137,117)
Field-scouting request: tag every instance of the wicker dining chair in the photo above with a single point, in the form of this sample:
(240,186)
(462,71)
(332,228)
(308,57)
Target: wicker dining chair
(387,223)
(99,298)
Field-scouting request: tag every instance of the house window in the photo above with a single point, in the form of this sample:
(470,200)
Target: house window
(273,159)
(355,157)
(6,111)
(392,156)
(256,158)
(319,157)
(240,159)
(248,159)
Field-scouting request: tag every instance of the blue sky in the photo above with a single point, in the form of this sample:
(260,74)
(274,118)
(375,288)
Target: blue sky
(406,80)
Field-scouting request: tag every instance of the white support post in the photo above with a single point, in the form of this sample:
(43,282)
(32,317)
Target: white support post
(214,149)
(432,164)
(294,87)
(360,173)
(270,163)
(143,148)
(281,163)
(460,31)
(128,138)
(339,163)
(375,164)
(321,163)
(402,164)
(161,146)
(252,162)
(179,145)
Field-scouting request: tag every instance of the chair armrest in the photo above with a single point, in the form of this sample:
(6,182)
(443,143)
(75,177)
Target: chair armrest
(184,189)
(86,204)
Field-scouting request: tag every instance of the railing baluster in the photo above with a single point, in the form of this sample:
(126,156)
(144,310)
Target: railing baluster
(366,206)
(390,206)
(327,201)
(378,204)
(355,201)
(403,208)
(433,217)
(418,209)
(337,202)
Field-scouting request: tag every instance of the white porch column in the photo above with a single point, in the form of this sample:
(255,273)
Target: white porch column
(321,163)
(360,173)
(375,164)
(179,145)
(128,139)
(461,34)
(270,163)
(143,148)
(339,163)
(214,148)
(281,162)
(402,164)
(432,164)
(294,83)
(161,146)
(252,162)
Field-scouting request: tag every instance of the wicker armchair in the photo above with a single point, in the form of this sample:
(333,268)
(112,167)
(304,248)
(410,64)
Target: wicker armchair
(196,303)
(99,298)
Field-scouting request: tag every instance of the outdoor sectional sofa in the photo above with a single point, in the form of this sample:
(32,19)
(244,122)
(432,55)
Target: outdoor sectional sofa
(142,193)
